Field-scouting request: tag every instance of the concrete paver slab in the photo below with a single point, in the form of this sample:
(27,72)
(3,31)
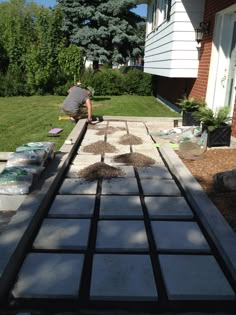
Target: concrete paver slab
(121,235)
(117,124)
(63,234)
(168,208)
(177,236)
(120,207)
(78,186)
(47,276)
(122,277)
(109,159)
(158,171)
(120,186)
(128,171)
(86,159)
(75,169)
(194,277)
(72,206)
(10,202)
(122,149)
(156,187)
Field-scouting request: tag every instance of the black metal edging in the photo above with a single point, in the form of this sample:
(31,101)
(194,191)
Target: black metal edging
(33,209)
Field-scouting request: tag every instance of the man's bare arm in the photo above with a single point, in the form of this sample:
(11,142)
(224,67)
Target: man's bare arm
(89,107)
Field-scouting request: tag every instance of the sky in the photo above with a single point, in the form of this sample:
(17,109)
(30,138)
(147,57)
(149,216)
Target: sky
(140,10)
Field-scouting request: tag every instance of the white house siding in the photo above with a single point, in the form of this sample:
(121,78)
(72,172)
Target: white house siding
(171,49)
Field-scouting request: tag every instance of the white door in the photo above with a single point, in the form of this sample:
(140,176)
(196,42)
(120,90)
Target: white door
(231,78)
(222,75)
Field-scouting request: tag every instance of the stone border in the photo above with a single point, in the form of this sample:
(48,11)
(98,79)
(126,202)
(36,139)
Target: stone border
(215,224)
(16,238)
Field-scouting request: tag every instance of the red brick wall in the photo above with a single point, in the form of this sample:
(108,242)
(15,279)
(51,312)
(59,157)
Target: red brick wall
(173,88)
(234,121)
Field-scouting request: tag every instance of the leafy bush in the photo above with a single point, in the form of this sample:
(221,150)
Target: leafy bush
(112,82)
(108,82)
(138,82)
(213,119)
(191,104)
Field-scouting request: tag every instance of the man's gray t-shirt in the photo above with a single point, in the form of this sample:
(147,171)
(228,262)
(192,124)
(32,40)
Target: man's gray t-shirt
(76,98)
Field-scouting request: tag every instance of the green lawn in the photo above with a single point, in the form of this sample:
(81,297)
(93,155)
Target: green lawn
(28,119)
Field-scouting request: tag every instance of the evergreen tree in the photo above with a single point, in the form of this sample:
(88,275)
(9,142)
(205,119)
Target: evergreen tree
(106,30)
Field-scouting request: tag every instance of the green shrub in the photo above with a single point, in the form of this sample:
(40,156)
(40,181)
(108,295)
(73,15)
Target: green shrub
(138,82)
(108,82)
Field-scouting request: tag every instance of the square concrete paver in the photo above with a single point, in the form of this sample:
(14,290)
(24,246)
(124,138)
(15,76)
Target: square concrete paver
(72,186)
(86,159)
(74,170)
(159,187)
(122,278)
(128,171)
(168,208)
(194,277)
(120,186)
(63,234)
(109,159)
(176,236)
(158,171)
(72,206)
(10,202)
(45,275)
(120,207)
(121,235)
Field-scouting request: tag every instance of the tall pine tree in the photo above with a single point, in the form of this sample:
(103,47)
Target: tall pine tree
(106,30)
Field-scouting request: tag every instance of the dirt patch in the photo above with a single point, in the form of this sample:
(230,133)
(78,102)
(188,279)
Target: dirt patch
(134,159)
(130,140)
(212,162)
(100,147)
(100,170)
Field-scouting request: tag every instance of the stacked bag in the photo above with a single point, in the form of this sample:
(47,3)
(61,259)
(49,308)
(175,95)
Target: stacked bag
(24,166)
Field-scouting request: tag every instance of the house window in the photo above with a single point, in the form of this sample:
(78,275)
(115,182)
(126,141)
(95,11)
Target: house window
(160,10)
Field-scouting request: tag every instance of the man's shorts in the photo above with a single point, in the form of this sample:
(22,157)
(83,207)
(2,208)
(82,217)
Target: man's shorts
(81,112)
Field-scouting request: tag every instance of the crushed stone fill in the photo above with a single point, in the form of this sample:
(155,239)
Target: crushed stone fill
(130,139)
(135,159)
(100,147)
(100,170)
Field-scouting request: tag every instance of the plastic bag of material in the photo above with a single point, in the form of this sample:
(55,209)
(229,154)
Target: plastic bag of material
(15,181)
(47,146)
(27,158)
(194,147)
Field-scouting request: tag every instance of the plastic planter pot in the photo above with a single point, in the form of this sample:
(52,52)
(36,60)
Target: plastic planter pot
(219,137)
(189,120)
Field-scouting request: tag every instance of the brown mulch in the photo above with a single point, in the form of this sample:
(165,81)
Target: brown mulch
(135,159)
(100,170)
(130,140)
(100,147)
(212,162)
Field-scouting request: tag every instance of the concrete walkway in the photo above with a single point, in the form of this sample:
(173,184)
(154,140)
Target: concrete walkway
(150,238)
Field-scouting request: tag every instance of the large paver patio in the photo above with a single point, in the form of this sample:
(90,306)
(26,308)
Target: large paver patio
(135,238)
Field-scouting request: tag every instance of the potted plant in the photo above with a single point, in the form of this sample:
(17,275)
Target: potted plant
(216,124)
(188,107)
